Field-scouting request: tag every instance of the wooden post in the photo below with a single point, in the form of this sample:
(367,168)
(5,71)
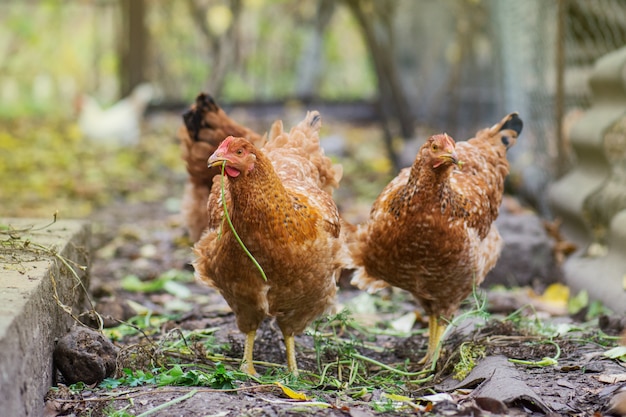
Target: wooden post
(132,45)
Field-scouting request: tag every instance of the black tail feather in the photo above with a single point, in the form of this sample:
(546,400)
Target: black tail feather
(194,117)
(514,123)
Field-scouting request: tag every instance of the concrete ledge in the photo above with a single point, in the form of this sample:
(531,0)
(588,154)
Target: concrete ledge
(30,317)
(603,277)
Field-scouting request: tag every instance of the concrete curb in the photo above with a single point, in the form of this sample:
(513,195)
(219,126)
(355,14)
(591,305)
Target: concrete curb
(31,319)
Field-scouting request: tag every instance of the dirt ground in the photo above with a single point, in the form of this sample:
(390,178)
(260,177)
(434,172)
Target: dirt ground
(359,362)
(147,240)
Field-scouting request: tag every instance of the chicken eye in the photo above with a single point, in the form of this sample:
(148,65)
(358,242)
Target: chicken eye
(239,151)
(435,148)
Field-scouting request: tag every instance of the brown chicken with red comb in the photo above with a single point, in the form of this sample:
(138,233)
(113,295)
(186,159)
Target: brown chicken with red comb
(280,203)
(431,231)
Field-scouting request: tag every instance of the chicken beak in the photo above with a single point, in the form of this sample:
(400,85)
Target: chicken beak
(449,156)
(454,157)
(216,159)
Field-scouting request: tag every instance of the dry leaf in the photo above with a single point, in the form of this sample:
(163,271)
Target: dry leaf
(611,378)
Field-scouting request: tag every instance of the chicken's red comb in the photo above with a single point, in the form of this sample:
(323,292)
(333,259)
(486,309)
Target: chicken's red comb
(226,143)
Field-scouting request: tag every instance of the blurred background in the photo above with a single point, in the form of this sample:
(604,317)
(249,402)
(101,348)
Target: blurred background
(384,74)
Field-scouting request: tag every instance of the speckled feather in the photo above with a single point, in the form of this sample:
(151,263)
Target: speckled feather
(284,213)
(431,230)
(205,126)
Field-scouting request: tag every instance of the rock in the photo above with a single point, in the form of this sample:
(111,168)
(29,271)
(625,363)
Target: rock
(85,355)
(527,257)
(612,324)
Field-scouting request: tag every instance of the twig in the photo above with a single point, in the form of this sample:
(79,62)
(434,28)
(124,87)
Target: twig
(11,232)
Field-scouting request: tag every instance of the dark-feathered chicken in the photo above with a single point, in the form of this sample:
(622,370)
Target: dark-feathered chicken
(205,126)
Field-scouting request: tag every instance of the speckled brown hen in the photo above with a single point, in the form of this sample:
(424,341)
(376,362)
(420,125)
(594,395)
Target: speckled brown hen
(279,200)
(431,230)
(205,126)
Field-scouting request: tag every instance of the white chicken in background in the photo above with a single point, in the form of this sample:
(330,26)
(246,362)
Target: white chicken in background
(118,125)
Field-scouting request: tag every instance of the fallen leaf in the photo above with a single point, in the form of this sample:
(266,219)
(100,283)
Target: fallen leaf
(437,398)
(294,395)
(400,400)
(396,397)
(497,379)
(556,295)
(611,378)
(404,324)
(618,353)
(491,405)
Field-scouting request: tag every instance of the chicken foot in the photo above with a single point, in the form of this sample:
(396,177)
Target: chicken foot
(246,365)
(435,332)
(290,347)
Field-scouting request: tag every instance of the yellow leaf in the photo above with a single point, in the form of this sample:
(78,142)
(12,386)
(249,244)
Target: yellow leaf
(556,294)
(396,397)
(294,395)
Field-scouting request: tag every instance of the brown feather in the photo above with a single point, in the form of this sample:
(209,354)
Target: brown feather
(285,219)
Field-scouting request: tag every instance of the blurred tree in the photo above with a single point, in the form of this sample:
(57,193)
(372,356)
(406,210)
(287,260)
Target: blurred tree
(133,45)
(310,66)
(375,19)
(219,24)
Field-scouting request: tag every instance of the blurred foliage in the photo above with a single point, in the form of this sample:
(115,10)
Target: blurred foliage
(50,51)
(46,165)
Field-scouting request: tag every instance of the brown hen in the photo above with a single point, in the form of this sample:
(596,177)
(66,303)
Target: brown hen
(205,126)
(431,231)
(279,200)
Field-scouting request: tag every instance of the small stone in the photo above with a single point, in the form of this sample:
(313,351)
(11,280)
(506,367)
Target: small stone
(85,355)
(594,367)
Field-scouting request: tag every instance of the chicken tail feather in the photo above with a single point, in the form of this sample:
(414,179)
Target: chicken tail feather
(513,122)
(304,140)
(194,116)
(504,133)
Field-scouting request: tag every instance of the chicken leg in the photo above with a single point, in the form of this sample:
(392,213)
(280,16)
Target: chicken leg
(290,348)
(435,332)
(246,365)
